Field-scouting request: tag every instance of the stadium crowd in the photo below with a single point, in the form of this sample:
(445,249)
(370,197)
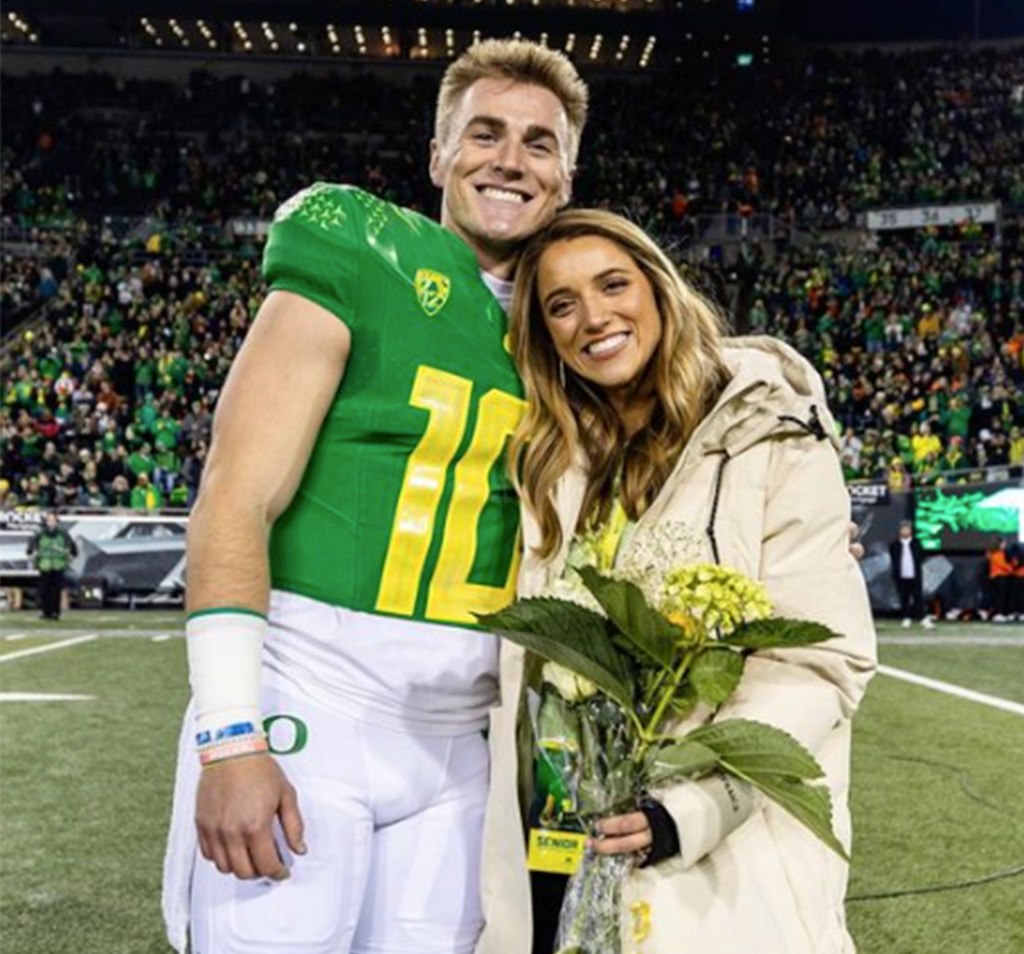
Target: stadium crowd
(843,133)
(107,401)
(920,342)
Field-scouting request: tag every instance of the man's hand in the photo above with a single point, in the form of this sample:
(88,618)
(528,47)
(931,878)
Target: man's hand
(856,548)
(236,804)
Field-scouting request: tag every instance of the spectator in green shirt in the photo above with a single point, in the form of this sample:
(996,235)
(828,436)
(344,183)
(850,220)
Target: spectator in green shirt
(53,550)
(145,495)
(142,461)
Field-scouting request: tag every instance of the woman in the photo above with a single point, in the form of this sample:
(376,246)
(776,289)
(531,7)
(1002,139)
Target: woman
(638,405)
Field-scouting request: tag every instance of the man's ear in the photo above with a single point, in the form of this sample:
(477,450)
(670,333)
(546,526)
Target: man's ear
(436,172)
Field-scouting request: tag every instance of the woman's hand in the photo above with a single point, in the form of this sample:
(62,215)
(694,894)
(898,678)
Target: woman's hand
(624,835)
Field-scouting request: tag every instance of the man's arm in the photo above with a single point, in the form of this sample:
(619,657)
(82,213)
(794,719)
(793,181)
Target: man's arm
(268,416)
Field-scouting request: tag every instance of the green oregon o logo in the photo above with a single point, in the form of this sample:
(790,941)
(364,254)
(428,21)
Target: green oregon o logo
(300,734)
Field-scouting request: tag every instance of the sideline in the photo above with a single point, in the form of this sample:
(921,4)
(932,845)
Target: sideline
(947,687)
(1014,640)
(63,644)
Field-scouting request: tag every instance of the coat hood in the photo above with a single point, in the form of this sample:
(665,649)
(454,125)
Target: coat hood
(773,390)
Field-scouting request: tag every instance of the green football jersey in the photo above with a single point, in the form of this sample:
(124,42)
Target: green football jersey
(405,507)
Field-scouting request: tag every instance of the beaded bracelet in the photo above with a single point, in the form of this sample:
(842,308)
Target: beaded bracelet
(248,745)
(230,741)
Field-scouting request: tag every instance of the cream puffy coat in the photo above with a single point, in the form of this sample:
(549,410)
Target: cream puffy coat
(762,479)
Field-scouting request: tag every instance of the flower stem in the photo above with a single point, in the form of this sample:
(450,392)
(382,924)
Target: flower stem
(652,692)
(677,677)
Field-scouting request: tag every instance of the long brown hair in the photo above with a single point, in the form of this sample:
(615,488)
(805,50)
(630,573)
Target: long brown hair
(688,375)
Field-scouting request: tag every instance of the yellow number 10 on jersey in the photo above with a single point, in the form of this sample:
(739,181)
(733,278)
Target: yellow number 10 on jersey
(451,598)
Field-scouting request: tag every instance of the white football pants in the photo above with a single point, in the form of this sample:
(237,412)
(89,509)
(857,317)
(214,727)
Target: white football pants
(393,827)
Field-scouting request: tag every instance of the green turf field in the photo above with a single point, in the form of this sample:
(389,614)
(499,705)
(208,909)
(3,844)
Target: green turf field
(938,792)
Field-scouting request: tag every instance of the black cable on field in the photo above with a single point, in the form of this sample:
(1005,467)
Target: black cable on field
(963,776)
(935,888)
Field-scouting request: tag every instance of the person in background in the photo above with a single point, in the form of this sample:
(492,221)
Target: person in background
(52,550)
(1001,579)
(897,476)
(907,563)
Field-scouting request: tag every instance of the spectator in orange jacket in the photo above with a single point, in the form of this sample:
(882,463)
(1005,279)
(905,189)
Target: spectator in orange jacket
(1001,572)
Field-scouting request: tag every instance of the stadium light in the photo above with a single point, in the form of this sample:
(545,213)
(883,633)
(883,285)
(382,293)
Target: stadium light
(645,57)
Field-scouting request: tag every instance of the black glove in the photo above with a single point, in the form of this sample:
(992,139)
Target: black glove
(664,834)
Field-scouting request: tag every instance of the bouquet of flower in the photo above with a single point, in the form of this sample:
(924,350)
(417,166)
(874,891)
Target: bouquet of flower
(629,658)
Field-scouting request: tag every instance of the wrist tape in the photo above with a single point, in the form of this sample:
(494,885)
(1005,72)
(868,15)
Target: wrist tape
(225,648)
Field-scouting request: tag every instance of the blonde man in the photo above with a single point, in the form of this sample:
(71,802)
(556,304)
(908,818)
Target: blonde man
(353,516)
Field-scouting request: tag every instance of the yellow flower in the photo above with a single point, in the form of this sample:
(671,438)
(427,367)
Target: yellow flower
(716,599)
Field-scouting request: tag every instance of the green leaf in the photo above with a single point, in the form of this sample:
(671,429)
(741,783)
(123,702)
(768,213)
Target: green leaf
(653,637)
(777,764)
(778,633)
(678,760)
(683,702)
(715,674)
(755,748)
(571,636)
(811,805)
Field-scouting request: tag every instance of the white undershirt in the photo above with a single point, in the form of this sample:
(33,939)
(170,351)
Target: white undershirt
(500,288)
(907,570)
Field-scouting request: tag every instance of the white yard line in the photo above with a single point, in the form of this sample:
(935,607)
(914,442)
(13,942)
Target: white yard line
(13,636)
(1007,639)
(63,644)
(959,691)
(43,697)
(162,638)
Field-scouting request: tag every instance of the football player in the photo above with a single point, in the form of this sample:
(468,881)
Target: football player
(354,514)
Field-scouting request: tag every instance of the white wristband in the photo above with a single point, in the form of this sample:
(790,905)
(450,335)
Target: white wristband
(225,648)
